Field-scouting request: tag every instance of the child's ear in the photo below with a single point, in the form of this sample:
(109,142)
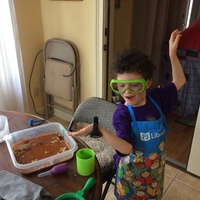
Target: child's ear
(149,83)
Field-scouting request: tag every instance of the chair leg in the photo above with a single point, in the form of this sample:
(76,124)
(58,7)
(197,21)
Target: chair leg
(70,125)
(108,183)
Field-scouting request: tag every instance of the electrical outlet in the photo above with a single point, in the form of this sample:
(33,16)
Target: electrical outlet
(36,92)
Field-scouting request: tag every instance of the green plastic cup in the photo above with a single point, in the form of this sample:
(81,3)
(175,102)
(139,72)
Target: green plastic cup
(85,161)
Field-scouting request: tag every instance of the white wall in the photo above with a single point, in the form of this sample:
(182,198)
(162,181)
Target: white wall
(78,21)
(28,14)
(74,21)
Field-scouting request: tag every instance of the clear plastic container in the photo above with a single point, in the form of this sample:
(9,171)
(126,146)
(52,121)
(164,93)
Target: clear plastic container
(4,129)
(38,131)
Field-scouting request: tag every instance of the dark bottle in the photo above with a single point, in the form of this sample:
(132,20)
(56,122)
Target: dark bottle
(95,132)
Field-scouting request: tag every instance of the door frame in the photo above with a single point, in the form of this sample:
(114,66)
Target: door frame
(99,57)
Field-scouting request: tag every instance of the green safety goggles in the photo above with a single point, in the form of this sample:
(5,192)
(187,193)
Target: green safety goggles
(133,86)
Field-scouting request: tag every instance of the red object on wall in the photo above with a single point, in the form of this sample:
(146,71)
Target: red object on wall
(190,38)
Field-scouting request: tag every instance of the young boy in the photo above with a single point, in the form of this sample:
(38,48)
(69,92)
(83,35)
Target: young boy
(140,123)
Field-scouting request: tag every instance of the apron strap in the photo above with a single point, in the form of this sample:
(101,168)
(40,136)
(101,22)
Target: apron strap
(133,117)
(159,109)
(161,113)
(132,113)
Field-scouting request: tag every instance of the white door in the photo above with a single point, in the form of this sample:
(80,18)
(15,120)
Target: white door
(194,158)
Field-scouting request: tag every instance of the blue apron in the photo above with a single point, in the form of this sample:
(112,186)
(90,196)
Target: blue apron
(140,175)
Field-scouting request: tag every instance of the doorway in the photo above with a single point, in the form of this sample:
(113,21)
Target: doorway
(147,25)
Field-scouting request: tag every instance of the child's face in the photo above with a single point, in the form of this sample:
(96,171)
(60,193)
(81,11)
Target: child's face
(130,98)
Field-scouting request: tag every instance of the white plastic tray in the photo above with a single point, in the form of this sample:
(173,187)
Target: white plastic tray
(37,131)
(4,129)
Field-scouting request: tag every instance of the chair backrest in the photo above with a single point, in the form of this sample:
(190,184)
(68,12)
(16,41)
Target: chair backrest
(95,106)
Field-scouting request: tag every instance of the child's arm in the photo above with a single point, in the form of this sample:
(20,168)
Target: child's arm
(178,77)
(117,143)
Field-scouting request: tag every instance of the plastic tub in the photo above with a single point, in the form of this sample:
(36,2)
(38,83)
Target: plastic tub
(4,130)
(38,131)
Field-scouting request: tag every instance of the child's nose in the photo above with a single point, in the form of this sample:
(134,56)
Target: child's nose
(127,90)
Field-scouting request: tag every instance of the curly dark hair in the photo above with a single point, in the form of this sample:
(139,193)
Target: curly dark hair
(132,60)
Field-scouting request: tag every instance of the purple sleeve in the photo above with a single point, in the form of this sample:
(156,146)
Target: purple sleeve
(122,124)
(166,97)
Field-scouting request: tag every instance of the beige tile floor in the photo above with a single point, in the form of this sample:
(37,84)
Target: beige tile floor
(178,185)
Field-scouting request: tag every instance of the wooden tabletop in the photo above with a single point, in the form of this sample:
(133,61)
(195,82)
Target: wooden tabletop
(70,181)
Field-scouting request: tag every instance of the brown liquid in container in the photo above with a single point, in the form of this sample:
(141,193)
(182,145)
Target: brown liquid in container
(37,148)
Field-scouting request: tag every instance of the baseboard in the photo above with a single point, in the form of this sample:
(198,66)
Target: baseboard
(63,115)
(177,163)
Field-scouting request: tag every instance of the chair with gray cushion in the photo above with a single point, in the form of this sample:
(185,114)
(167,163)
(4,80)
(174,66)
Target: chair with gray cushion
(85,113)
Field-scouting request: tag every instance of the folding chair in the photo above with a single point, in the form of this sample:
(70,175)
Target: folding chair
(104,110)
(61,61)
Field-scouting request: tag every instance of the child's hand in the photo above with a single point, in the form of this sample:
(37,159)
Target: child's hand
(83,132)
(173,42)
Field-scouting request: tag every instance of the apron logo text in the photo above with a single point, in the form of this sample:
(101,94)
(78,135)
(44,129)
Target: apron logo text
(149,136)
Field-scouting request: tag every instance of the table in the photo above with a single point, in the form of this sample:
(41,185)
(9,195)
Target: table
(70,181)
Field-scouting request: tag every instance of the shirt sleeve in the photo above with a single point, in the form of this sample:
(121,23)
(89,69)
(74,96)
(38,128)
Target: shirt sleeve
(122,124)
(166,97)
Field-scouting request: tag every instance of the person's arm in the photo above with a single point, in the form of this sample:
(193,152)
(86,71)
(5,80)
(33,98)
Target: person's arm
(178,77)
(117,143)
